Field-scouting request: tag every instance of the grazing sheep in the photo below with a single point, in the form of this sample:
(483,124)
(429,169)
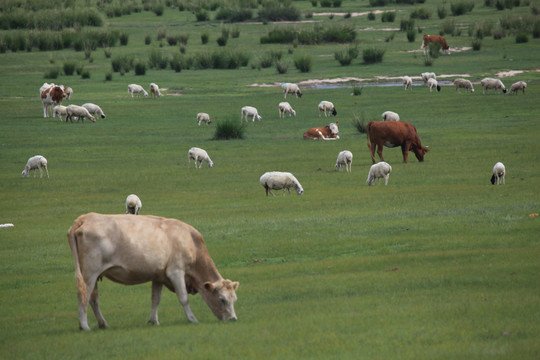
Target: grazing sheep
(289,88)
(69,93)
(465,84)
(432,83)
(250,111)
(490,83)
(498,174)
(344,158)
(407,83)
(276,180)
(428,75)
(285,107)
(325,106)
(154,90)
(379,171)
(79,112)
(136,89)
(133,204)
(199,155)
(94,109)
(520,85)
(59,110)
(203,117)
(35,162)
(390,116)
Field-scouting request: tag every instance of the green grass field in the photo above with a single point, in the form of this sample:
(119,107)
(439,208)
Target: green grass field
(439,264)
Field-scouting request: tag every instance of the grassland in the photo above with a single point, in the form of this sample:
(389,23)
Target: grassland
(439,264)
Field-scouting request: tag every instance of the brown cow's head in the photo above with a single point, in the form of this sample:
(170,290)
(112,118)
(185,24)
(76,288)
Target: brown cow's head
(57,94)
(419,151)
(220,296)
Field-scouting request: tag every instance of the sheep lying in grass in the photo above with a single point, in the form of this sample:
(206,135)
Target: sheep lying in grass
(390,116)
(289,88)
(250,111)
(59,110)
(276,180)
(285,107)
(327,106)
(94,109)
(79,112)
(432,83)
(344,158)
(498,174)
(154,90)
(133,204)
(136,89)
(464,84)
(379,171)
(407,83)
(428,75)
(490,83)
(203,117)
(35,162)
(520,85)
(199,155)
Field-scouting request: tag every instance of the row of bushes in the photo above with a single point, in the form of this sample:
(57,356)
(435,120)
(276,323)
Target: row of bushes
(318,35)
(48,19)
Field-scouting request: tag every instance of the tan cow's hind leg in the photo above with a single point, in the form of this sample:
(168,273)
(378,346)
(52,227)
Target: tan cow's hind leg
(94,303)
(157,289)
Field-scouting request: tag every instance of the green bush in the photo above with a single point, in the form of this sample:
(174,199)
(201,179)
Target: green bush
(124,37)
(202,15)
(233,14)
(204,38)
(122,63)
(388,16)
(405,24)
(441,12)
(448,26)
(421,13)
(281,67)
(140,68)
(461,7)
(522,37)
(372,55)
(303,63)
(411,35)
(279,12)
(346,56)
(52,73)
(69,68)
(108,76)
(85,74)
(476,44)
(156,60)
(371,16)
(222,40)
(147,39)
(229,129)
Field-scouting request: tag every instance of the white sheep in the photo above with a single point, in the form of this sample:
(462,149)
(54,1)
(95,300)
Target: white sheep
(520,85)
(407,83)
(432,83)
(136,89)
(390,116)
(154,90)
(94,109)
(490,83)
(35,162)
(285,107)
(344,158)
(199,155)
(277,180)
(133,204)
(379,171)
(289,88)
(203,117)
(327,106)
(69,93)
(428,75)
(250,111)
(464,84)
(79,112)
(59,110)
(498,174)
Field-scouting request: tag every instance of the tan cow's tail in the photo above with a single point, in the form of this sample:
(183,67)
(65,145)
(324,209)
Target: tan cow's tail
(72,241)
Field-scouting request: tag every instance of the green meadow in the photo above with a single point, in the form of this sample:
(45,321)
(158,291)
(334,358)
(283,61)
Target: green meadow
(439,264)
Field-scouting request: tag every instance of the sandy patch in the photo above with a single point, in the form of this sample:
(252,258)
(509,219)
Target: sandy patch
(353,14)
(452,49)
(378,29)
(343,80)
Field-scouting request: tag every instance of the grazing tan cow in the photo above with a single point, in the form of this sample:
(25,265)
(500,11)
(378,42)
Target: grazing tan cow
(436,39)
(392,134)
(133,250)
(328,132)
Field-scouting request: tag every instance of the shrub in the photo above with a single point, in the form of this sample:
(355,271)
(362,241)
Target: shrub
(303,63)
(108,76)
(314,3)
(233,14)
(405,24)
(428,60)
(326,3)
(140,68)
(222,40)
(69,68)
(202,15)
(411,35)
(357,91)
(156,60)
(204,38)
(52,73)
(336,3)
(434,50)
(390,37)
(124,37)
(441,12)
(388,16)
(161,34)
(177,62)
(346,56)
(147,39)
(461,7)
(278,12)
(372,55)
(522,37)
(122,63)
(421,13)
(279,35)
(360,123)
(371,16)
(235,32)
(172,40)
(281,67)
(447,27)
(158,8)
(229,129)
(85,74)
(498,33)
(476,44)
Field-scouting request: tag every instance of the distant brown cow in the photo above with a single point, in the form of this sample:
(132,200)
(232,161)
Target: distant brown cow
(328,132)
(393,134)
(436,39)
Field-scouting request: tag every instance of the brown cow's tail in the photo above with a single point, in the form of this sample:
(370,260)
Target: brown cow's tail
(368,135)
(72,241)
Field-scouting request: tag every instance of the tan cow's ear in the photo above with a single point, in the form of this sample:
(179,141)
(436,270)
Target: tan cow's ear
(209,286)
(235,285)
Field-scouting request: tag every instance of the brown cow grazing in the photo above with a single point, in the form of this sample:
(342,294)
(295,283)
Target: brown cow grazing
(328,132)
(51,95)
(436,39)
(392,134)
(133,250)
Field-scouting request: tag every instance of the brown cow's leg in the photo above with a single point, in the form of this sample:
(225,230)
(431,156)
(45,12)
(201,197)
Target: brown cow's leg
(379,151)
(405,151)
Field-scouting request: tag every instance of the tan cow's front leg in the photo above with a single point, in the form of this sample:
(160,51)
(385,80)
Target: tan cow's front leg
(179,283)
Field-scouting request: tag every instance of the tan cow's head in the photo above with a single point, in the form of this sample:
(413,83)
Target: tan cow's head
(220,296)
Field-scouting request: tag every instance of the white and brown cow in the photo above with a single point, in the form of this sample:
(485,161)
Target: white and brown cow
(51,94)
(392,134)
(435,39)
(133,250)
(328,132)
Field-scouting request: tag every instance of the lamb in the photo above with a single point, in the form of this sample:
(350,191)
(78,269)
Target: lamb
(490,83)
(344,158)
(59,110)
(203,117)
(379,171)
(325,106)
(498,174)
(199,155)
(428,75)
(289,88)
(520,85)
(407,83)
(35,162)
(465,84)
(285,107)
(250,111)
(69,93)
(276,180)
(390,116)
(94,109)
(154,90)
(136,89)
(432,83)
(133,204)
(79,112)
